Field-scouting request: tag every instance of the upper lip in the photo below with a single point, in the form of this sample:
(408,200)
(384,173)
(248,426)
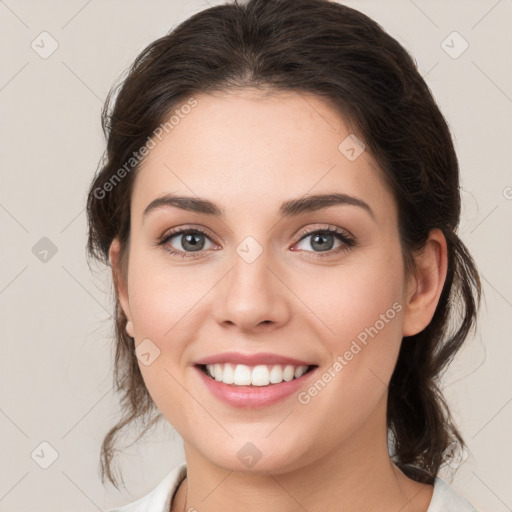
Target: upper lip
(252,359)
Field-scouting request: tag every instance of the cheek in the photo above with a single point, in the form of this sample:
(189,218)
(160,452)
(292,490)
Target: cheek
(351,298)
(362,308)
(162,297)
(359,308)
(161,306)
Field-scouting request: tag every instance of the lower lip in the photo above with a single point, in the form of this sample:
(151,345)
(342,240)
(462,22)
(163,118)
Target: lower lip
(254,396)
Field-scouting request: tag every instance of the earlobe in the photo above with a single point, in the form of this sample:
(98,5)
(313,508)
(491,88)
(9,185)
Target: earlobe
(425,287)
(129,329)
(119,282)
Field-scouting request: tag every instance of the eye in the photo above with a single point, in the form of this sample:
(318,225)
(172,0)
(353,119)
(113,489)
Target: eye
(323,240)
(185,242)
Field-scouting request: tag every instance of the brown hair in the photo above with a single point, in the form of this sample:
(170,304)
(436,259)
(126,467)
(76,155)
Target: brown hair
(338,53)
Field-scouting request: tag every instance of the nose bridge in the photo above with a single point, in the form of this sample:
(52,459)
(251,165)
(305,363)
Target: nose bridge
(251,294)
(250,278)
(250,267)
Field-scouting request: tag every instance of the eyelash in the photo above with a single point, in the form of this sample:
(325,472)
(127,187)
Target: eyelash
(348,241)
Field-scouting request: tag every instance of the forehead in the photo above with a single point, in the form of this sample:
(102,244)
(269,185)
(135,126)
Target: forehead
(257,149)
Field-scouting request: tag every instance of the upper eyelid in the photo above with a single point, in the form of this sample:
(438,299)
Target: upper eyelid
(183,230)
(328,228)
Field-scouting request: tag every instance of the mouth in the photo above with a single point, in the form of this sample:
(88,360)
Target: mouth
(241,375)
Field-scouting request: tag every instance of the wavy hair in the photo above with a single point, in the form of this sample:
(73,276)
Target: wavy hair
(346,58)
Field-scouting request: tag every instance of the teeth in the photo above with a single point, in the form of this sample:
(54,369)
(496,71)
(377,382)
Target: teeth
(261,375)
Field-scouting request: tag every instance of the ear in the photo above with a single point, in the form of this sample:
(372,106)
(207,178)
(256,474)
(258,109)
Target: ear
(120,284)
(425,286)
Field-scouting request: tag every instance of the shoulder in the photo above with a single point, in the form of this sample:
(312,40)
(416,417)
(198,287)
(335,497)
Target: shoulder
(446,499)
(159,499)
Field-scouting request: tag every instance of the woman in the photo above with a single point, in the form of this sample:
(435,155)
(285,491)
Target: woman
(279,204)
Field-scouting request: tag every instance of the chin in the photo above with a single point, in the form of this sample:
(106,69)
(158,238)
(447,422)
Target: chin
(252,458)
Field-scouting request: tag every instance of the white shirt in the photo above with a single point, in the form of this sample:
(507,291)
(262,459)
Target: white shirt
(444,498)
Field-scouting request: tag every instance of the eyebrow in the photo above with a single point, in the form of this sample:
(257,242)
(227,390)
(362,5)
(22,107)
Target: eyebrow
(289,208)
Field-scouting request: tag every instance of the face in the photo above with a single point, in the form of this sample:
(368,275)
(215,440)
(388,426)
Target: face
(322,285)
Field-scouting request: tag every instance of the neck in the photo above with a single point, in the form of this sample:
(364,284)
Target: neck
(355,476)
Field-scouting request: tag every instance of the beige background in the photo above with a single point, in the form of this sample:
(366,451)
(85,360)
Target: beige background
(55,364)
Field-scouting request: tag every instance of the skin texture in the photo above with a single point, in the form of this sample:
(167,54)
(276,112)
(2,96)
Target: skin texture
(249,152)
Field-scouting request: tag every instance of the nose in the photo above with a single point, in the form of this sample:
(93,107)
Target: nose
(253,296)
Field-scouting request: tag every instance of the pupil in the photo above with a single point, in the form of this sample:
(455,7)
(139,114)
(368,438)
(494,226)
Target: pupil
(322,245)
(191,239)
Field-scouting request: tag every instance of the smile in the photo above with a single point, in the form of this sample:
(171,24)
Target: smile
(254,387)
(259,375)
